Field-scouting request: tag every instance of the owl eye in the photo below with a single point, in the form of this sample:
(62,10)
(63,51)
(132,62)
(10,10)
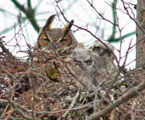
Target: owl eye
(96,49)
(105,53)
(78,62)
(88,62)
(45,38)
(63,39)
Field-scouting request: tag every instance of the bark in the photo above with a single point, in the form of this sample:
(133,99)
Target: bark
(140,43)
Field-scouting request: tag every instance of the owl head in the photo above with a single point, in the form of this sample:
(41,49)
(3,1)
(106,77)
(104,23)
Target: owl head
(103,50)
(56,39)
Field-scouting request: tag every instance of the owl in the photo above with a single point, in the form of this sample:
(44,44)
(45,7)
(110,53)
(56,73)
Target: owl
(59,40)
(83,62)
(106,53)
(94,66)
(53,44)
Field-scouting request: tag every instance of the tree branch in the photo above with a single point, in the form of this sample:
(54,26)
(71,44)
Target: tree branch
(29,12)
(130,94)
(4,49)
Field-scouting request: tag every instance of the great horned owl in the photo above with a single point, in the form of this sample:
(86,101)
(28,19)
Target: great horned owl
(53,44)
(103,51)
(84,67)
(106,53)
(60,40)
(94,66)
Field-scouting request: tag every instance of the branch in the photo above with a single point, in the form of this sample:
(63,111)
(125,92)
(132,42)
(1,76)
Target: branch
(113,23)
(112,37)
(16,108)
(130,94)
(84,29)
(4,49)
(29,4)
(29,12)
(127,12)
(125,36)
(72,103)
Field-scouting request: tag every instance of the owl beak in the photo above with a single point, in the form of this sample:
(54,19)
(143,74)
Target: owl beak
(54,46)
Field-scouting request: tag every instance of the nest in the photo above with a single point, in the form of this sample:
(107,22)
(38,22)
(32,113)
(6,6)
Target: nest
(49,87)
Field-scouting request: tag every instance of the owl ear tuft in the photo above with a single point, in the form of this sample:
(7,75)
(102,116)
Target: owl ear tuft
(67,27)
(48,23)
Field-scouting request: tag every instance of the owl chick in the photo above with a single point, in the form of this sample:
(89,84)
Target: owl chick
(60,40)
(83,62)
(106,53)
(93,69)
(89,68)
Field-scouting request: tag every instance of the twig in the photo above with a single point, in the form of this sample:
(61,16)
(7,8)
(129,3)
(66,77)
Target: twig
(72,103)
(4,49)
(130,94)
(127,52)
(93,35)
(29,12)
(91,4)
(108,90)
(127,12)
(17,108)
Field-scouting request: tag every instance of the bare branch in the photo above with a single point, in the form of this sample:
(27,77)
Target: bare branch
(127,96)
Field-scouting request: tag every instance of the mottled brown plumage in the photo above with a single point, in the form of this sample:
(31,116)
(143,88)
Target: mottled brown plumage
(60,40)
